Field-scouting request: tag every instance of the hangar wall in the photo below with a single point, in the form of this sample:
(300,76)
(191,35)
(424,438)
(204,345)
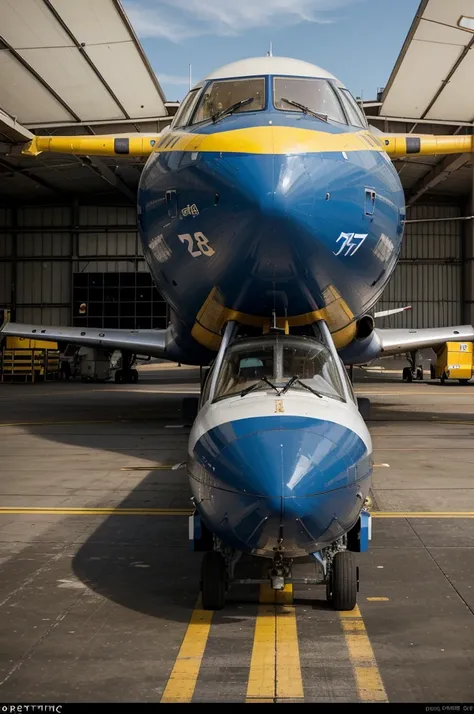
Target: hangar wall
(51,250)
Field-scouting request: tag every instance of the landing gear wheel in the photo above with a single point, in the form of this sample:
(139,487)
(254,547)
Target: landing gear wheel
(443,378)
(419,373)
(432,372)
(119,376)
(344,581)
(133,376)
(213,581)
(407,375)
(463,381)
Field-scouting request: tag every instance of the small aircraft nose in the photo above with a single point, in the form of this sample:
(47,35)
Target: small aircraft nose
(292,483)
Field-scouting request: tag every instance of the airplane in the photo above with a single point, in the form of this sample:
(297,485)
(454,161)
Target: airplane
(271,219)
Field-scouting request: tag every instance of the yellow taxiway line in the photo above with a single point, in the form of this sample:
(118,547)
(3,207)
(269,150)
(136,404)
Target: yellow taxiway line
(96,511)
(182,680)
(275,669)
(284,597)
(370,687)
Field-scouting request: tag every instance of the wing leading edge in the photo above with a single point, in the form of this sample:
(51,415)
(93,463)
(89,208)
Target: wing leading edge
(401,341)
(155,343)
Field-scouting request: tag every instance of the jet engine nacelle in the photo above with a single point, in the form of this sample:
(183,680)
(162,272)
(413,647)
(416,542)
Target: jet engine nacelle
(366,344)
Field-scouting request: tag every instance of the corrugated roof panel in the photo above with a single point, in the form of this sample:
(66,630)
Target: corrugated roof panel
(452,103)
(29,23)
(409,98)
(122,68)
(23,97)
(68,73)
(92,21)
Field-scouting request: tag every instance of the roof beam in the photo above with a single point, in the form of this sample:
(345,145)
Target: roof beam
(11,128)
(105,172)
(83,52)
(39,78)
(408,120)
(437,175)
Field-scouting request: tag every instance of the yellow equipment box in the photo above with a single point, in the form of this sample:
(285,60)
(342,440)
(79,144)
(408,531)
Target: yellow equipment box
(455,361)
(24,343)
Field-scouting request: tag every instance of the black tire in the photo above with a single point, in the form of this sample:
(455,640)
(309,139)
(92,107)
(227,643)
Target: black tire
(344,581)
(442,379)
(118,376)
(190,409)
(407,375)
(134,376)
(432,372)
(213,581)
(463,381)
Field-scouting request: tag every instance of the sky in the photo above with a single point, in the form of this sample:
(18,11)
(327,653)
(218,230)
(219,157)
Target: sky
(356,40)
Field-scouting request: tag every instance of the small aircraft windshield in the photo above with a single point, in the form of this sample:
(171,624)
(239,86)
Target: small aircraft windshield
(279,359)
(315,94)
(222,94)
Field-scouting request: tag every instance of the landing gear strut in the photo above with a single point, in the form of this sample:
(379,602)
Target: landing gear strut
(126,375)
(413,371)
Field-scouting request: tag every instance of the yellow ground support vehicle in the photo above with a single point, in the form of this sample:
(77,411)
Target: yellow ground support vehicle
(22,359)
(455,361)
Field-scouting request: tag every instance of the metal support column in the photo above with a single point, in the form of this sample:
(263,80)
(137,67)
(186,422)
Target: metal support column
(74,251)
(14,264)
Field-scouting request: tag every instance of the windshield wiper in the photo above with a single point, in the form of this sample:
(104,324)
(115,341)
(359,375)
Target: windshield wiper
(294,379)
(257,385)
(306,109)
(231,109)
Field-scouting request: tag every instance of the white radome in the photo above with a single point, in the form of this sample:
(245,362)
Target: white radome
(270,65)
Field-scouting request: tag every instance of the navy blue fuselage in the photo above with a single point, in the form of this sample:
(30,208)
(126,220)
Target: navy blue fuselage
(269,211)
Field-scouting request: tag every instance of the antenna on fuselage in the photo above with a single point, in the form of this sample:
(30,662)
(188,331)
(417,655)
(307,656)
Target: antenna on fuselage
(270,51)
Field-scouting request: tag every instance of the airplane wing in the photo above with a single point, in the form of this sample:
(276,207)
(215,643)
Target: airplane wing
(156,343)
(401,341)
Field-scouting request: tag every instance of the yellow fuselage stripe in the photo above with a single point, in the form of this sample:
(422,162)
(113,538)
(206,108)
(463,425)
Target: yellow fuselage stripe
(369,683)
(182,680)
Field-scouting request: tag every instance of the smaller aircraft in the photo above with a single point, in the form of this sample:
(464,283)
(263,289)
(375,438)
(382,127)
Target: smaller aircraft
(280,459)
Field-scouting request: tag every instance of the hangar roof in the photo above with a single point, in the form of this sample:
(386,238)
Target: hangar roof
(73,62)
(432,77)
(429,92)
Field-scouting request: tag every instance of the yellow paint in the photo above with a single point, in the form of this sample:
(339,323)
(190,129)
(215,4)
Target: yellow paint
(268,595)
(182,681)
(430,145)
(289,683)
(18,510)
(378,599)
(139,145)
(455,361)
(213,315)
(261,682)
(18,343)
(369,683)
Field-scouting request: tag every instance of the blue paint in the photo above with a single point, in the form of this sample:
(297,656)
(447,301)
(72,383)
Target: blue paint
(258,478)
(272,228)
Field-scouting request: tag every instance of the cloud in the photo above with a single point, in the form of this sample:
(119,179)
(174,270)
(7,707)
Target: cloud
(177,20)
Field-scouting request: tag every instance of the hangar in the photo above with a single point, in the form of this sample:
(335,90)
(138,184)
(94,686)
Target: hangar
(99,594)
(67,224)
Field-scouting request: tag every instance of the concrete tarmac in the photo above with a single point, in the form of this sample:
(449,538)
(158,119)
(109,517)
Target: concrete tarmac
(99,588)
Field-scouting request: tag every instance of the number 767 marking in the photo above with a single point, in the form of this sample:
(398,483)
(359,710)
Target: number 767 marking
(351,242)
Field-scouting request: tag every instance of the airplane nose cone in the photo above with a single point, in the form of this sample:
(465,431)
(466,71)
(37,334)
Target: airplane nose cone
(299,484)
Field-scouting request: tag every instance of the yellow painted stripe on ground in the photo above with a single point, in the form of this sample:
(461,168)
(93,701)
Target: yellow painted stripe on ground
(289,683)
(268,595)
(182,680)
(378,599)
(96,511)
(370,687)
(261,682)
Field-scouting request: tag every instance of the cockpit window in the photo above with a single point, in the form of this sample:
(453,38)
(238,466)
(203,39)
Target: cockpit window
(182,115)
(354,112)
(222,94)
(315,94)
(278,359)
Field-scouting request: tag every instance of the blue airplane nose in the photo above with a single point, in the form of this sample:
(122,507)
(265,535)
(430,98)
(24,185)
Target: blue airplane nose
(299,483)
